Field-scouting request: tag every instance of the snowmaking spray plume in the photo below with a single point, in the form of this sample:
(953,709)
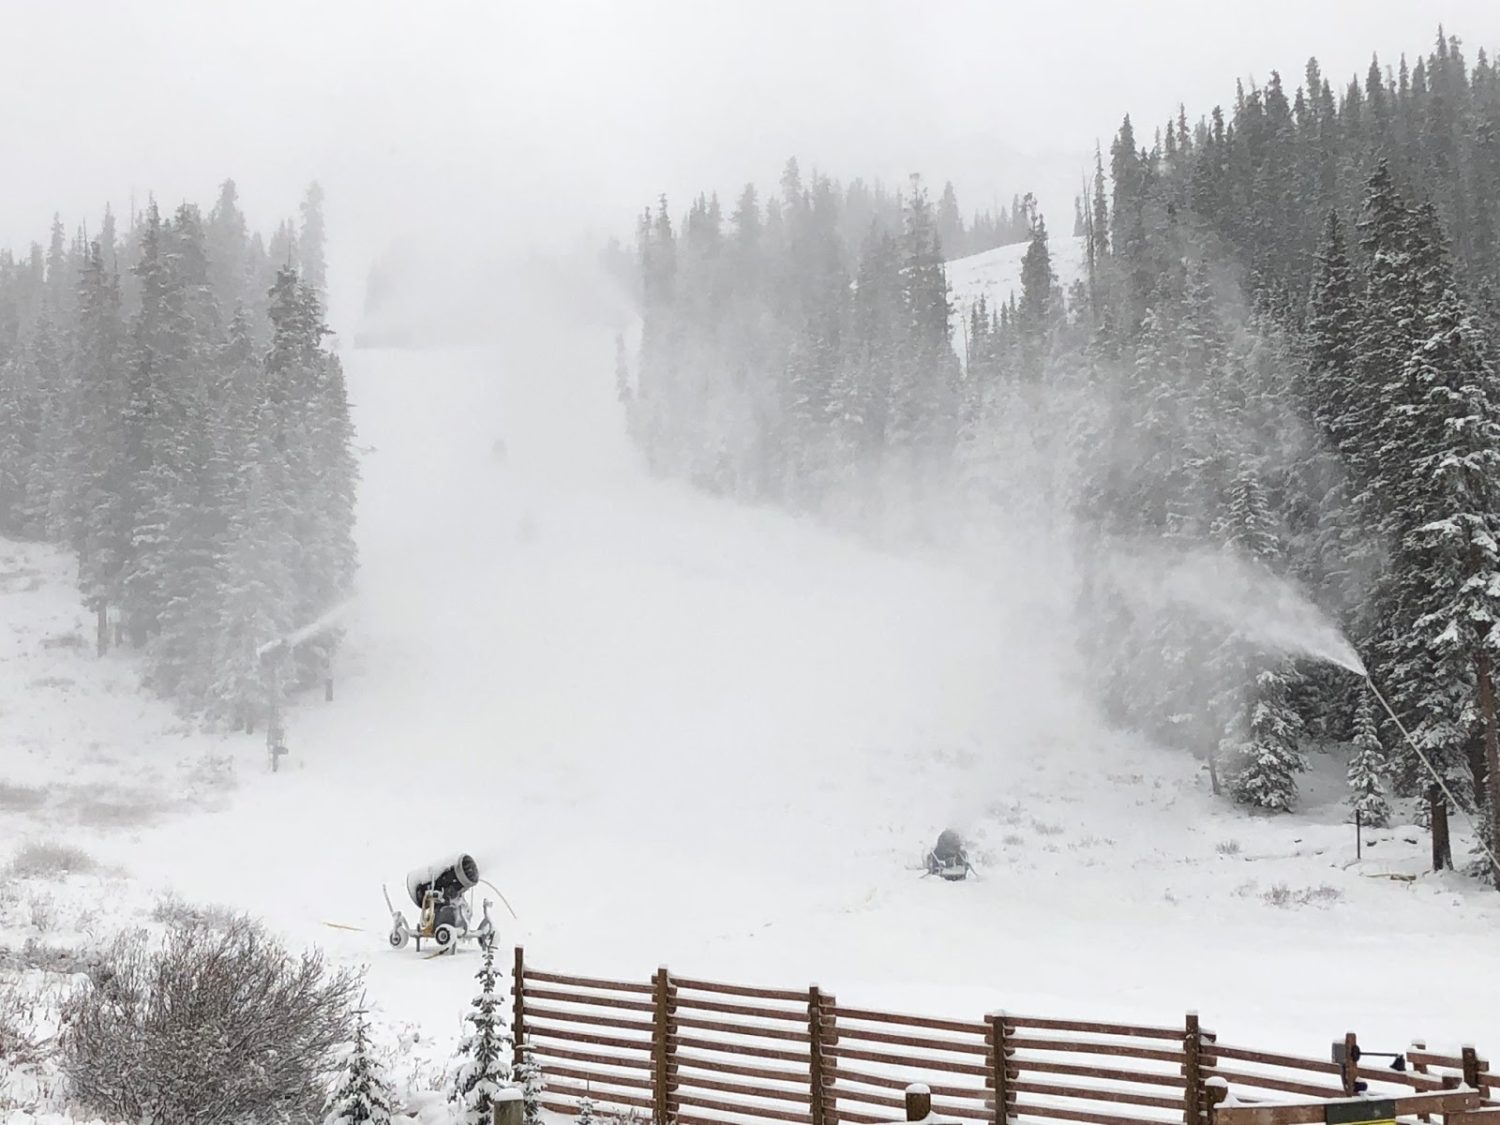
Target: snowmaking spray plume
(1237,592)
(1242,595)
(311,629)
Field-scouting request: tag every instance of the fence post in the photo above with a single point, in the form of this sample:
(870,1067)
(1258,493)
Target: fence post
(509,1107)
(918,1102)
(1470,1058)
(518,993)
(1420,1068)
(1215,1090)
(821,1033)
(661,1047)
(1351,1064)
(1192,1070)
(999,1065)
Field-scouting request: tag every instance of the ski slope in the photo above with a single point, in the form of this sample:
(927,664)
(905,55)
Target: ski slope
(995,274)
(675,730)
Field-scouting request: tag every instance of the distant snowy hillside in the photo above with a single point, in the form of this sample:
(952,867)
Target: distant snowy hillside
(996,274)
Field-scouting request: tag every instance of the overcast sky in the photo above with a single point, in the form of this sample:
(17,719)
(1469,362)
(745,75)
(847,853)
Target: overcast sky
(515,119)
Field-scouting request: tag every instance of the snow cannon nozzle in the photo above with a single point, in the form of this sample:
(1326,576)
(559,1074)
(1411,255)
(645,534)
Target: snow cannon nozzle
(448,878)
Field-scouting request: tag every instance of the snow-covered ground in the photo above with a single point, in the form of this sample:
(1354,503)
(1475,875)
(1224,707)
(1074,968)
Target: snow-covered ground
(673,730)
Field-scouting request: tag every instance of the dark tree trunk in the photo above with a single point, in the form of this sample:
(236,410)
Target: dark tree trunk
(1488,780)
(1437,806)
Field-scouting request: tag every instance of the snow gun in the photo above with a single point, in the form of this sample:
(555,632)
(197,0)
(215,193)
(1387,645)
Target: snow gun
(438,891)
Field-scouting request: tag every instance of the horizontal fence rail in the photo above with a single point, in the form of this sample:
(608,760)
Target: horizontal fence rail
(697,1052)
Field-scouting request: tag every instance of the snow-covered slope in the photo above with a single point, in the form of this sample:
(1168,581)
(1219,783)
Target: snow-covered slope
(996,274)
(676,730)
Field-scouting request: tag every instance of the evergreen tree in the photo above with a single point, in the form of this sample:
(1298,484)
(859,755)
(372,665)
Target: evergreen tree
(529,1071)
(311,239)
(1261,741)
(1035,323)
(485,1052)
(1367,766)
(362,1093)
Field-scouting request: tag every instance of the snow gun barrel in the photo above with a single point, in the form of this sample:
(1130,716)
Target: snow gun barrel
(448,877)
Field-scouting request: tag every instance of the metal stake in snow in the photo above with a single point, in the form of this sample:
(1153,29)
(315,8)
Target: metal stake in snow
(1436,776)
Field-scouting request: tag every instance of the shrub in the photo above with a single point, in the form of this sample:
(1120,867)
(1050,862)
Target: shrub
(37,861)
(218,1025)
(18,1040)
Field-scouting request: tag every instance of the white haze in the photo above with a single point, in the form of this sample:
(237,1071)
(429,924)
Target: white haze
(1230,590)
(501,143)
(486,125)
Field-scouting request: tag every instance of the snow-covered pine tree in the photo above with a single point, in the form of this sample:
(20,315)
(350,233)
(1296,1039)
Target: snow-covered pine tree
(533,1086)
(1447,562)
(1037,308)
(311,239)
(362,1095)
(587,1113)
(226,242)
(1261,740)
(1269,759)
(95,497)
(1367,766)
(485,1053)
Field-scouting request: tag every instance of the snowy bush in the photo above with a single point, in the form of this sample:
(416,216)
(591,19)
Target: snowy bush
(42,912)
(1283,896)
(217,1025)
(18,1040)
(173,911)
(46,861)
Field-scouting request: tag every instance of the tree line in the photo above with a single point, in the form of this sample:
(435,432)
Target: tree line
(171,414)
(1284,348)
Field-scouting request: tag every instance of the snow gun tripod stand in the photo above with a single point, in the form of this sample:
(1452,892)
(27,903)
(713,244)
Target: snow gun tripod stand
(948,859)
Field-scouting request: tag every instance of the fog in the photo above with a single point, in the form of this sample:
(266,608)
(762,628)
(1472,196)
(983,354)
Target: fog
(503,122)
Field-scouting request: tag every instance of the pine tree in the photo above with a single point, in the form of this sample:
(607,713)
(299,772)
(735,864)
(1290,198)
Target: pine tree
(485,1052)
(529,1071)
(1261,741)
(1263,745)
(362,1093)
(311,239)
(1367,766)
(95,498)
(1035,324)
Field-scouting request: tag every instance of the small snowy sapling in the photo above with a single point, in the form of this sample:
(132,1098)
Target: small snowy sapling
(363,1093)
(485,1053)
(529,1071)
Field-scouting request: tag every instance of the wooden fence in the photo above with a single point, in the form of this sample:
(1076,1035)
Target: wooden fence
(699,1052)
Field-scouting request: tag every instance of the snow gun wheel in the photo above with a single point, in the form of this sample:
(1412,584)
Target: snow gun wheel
(443,937)
(399,938)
